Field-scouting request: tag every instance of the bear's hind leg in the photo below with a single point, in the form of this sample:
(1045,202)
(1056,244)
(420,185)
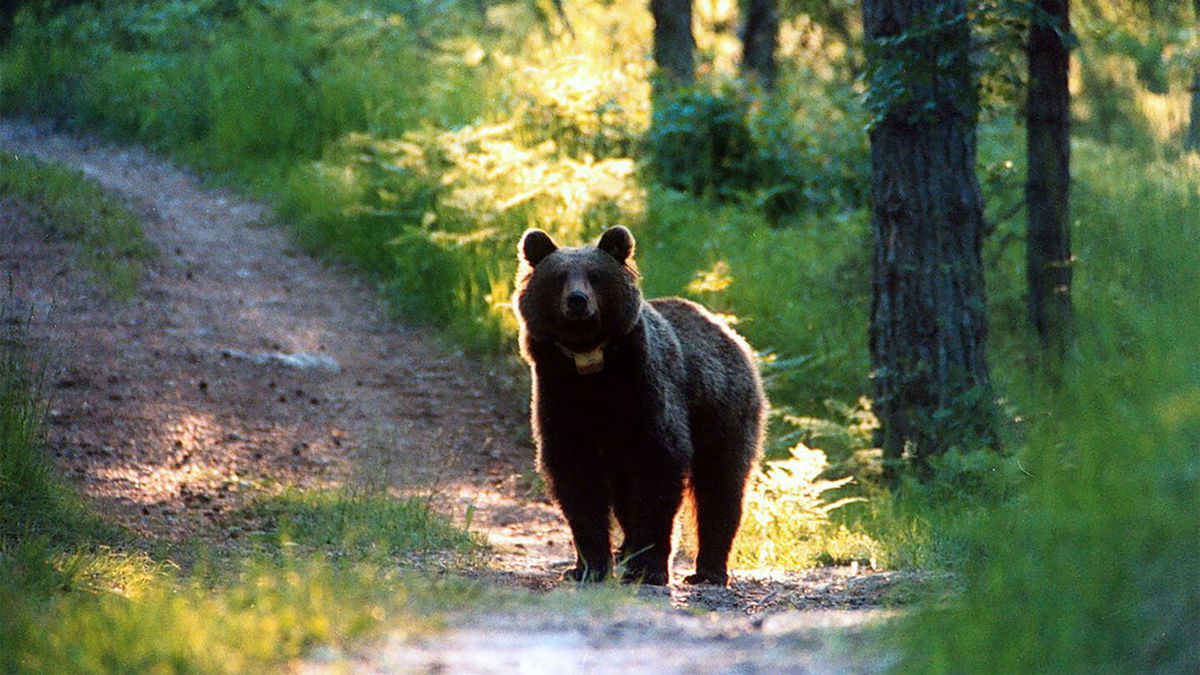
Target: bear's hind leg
(645,509)
(717,490)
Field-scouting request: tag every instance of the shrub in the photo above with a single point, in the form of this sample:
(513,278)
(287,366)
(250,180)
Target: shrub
(778,154)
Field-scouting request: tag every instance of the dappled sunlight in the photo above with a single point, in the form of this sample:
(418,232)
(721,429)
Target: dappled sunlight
(713,280)
(716,36)
(146,483)
(1167,114)
(193,459)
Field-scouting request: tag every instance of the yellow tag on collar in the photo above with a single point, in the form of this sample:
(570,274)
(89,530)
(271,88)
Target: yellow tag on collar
(588,363)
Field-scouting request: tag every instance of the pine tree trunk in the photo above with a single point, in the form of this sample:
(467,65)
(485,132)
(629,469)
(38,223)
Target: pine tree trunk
(673,41)
(928,328)
(1048,183)
(760,35)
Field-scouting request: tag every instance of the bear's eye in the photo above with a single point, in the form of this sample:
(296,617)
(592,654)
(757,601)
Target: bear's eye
(593,277)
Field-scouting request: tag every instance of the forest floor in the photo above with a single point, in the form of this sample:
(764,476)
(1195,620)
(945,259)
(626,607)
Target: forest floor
(244,365)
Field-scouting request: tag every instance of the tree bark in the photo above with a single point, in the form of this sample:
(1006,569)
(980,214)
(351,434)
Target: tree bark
(928,327)
(1048,183)
(673,42)
(760,36)
(1192,142)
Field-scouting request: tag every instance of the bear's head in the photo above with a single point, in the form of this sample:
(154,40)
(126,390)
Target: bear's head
(579,298)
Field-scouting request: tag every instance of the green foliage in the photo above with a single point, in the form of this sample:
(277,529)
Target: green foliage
(922,71)
(268,613)
(70,207)
(727,143)
(700,142)
(787,521)
(195,77)
(1092,568)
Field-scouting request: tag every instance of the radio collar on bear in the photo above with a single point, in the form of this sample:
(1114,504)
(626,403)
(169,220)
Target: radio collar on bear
(587,363)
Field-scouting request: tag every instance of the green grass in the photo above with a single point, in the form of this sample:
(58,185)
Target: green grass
(357,524)
(69,207)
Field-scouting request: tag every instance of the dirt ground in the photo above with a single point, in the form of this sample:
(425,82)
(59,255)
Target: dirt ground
(243,364)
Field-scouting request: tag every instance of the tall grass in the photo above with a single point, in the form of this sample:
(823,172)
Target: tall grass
(36,504)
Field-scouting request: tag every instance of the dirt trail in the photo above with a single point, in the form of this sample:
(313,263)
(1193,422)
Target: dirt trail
(243,364)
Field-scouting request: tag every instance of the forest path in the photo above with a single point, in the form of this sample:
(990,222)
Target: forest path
(243,364)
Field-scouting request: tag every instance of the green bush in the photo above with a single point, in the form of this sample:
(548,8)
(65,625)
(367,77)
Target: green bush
(700,142)
(768,153)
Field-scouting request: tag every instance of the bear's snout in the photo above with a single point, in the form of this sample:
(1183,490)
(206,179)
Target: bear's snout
(578,305)
(577,301)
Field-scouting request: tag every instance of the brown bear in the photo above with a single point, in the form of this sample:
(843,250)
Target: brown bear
(633,402)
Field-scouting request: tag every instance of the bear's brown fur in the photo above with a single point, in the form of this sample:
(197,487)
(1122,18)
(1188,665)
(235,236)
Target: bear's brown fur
(632,402)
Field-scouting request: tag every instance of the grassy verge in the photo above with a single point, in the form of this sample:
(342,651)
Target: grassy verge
(67,206)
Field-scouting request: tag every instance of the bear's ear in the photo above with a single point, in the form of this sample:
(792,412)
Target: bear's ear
(617,242)
(536,245)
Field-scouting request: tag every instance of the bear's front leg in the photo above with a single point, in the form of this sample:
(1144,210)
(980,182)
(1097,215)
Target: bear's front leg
(582,494)
(588,521)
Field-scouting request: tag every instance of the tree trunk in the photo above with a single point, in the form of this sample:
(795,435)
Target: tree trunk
(760,35)
(673,41)
(1193,137)
(928,326)
(1048,183)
